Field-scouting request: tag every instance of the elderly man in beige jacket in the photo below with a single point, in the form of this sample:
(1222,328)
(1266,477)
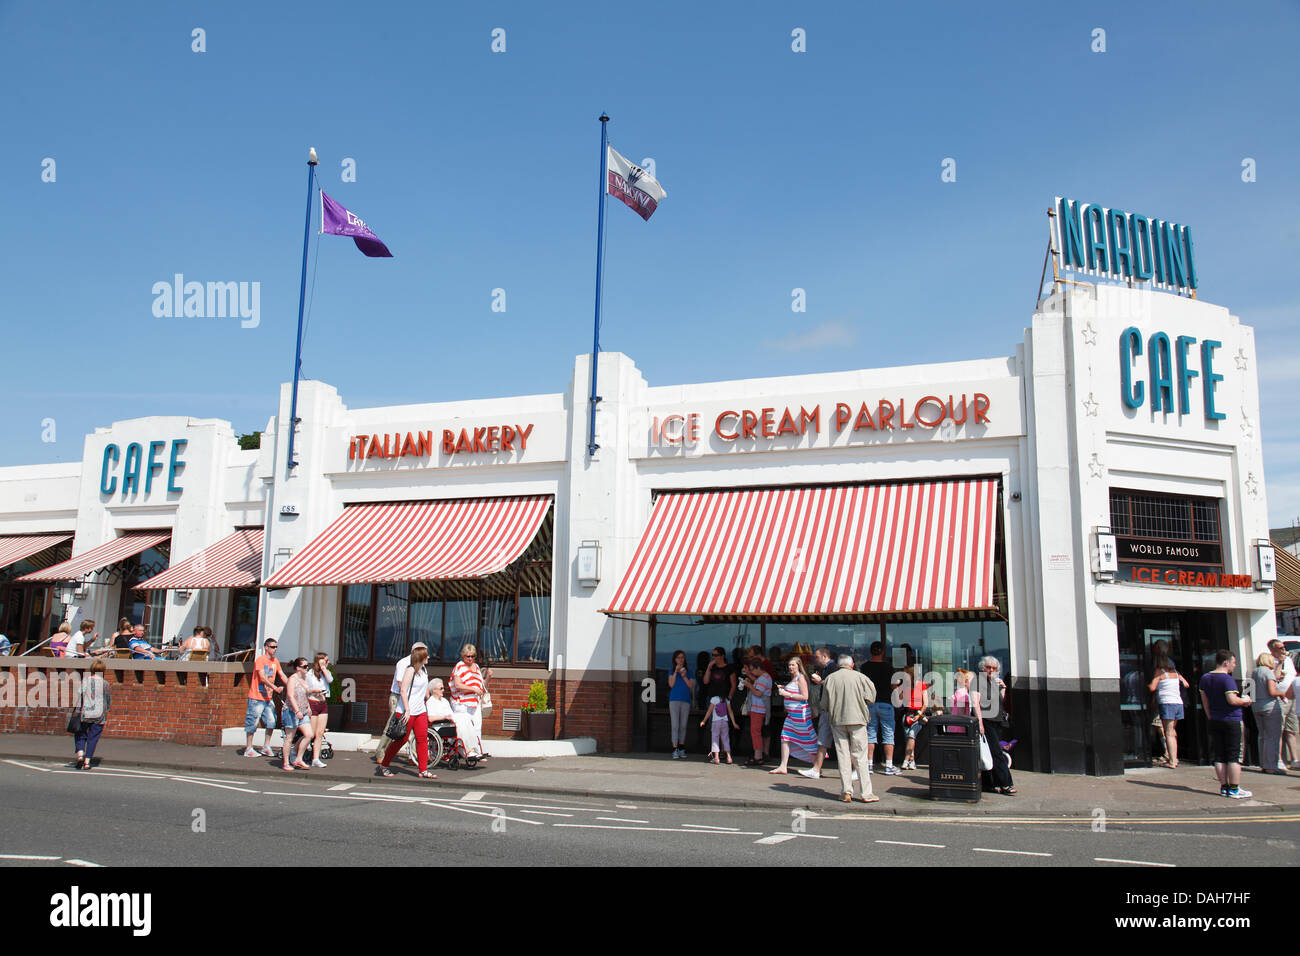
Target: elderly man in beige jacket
(847,697)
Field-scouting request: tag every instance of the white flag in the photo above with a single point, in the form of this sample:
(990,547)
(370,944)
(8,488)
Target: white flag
(630,183)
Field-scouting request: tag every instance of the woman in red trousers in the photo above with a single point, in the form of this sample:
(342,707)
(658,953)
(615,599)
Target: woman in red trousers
(412,705)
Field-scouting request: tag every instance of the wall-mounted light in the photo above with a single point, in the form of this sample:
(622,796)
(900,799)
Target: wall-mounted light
(1266,562)
(589,563)
(183,594)
(1105,554)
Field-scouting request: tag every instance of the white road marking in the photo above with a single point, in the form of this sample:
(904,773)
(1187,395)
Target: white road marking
(474,795)
(816,836)
(25,856)
(483,813)
(318,796)
(387,796)
(602,826)
(625,806)
(776,838)
(982,849)
(343,786)
(547,813)
(83,863)
(27,766)
(208,783)
(1104,859)
(621,820)
(936,846)
(705,826)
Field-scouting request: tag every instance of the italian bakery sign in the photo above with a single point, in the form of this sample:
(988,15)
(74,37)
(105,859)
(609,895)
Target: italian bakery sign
(1114,244)
(479,439)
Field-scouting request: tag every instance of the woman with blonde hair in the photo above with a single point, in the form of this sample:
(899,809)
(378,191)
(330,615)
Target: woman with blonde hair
(468,685)
(1269,714)
(412,704)
(798,738)
(59,640)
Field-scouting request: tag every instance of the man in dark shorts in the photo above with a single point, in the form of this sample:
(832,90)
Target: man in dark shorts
(1223,706)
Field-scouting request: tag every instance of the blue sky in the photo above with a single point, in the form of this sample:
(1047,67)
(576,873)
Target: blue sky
(817,170)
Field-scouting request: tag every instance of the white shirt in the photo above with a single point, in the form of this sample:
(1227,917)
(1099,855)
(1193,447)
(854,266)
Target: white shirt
(398,673)
(439,709)
(77,644)
(1288,674)
(320,685)
(419,688)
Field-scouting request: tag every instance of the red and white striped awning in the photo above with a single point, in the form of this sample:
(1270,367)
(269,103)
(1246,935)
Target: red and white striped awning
(14,549)
(417,541)
(96,559)
(858,549)
(233,562)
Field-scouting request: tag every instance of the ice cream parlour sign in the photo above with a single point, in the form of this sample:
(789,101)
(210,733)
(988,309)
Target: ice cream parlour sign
(746,427)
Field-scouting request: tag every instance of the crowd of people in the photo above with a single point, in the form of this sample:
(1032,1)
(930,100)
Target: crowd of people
(130,639)
(822,713)
(304,713)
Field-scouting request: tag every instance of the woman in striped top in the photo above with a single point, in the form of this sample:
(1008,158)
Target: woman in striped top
(798,738)
(467,687)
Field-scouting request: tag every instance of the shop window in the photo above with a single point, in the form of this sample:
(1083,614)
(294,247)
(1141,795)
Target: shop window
(391,606)
(1164,517)
(940,647)
(145,607)
(243,619)
(425,622)
(506,616)
(357,602)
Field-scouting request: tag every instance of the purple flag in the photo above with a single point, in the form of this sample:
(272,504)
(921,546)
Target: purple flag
(337,221)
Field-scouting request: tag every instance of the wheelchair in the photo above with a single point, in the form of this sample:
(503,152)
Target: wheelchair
(445,748)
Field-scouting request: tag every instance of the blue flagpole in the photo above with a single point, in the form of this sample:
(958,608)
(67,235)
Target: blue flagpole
(302,295)
(600,266)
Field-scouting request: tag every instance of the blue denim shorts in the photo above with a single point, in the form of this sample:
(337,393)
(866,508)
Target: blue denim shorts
(262,710)
(881,728)
(1171,711)
(289,720)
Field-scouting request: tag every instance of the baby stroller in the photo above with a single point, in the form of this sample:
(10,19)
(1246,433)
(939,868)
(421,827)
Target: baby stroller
(445,748)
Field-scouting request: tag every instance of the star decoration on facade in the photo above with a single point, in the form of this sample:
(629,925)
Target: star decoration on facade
(1252,485)
(1247,426)
(1241,359)
(1096,467)
(1091,406)
(1089,334)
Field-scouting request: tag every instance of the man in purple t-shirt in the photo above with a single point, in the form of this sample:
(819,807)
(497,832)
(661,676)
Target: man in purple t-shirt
(1223,707)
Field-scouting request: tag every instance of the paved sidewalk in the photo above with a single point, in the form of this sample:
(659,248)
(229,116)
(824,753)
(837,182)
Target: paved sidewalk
(1189,791)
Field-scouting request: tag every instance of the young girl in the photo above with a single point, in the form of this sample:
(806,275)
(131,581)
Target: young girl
(721,713)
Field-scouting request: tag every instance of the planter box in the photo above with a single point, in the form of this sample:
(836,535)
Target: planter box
(336,713)
(539,726)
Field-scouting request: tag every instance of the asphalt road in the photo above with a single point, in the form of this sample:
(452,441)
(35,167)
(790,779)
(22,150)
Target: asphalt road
(55,816)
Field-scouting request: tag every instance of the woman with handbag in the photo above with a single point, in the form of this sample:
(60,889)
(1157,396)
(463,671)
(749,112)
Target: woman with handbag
(86,722)
(998,777)
(411,716)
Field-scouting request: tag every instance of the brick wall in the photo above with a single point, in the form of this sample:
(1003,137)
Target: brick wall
(176,706)
(171,705)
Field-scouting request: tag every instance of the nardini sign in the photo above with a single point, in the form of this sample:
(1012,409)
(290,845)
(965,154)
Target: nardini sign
(1115,244)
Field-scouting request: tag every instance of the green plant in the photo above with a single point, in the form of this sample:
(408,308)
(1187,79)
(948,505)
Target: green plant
(538,702)
(336,689)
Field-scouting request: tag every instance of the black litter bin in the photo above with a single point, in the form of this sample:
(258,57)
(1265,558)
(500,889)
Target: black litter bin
(954,758)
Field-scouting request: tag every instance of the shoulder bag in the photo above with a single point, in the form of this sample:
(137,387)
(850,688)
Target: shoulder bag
(74,717)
